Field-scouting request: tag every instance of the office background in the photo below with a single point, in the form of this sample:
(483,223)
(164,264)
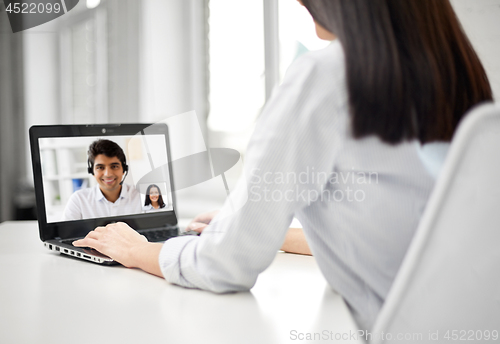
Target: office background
(120,61)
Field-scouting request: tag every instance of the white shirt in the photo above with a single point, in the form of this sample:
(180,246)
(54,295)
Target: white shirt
(149,208)
(90,203)
(359,205)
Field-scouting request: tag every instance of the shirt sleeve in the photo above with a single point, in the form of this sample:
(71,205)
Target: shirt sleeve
(72,211)
(296,138)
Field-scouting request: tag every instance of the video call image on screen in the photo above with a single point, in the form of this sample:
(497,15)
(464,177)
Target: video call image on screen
(72,193)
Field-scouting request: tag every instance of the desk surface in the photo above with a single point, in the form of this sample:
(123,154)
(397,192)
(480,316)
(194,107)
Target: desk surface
(50,298)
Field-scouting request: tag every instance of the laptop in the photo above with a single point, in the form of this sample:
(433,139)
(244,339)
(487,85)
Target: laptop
(69,199)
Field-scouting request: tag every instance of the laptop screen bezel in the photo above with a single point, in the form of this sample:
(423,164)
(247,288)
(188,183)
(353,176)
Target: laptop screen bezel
(80,228)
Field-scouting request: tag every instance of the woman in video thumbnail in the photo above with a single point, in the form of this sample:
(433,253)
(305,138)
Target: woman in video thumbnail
(154,200)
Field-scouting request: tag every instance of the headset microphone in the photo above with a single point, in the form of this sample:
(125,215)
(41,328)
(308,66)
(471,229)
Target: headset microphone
(126,173)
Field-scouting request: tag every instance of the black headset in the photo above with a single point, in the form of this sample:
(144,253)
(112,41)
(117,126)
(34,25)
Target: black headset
(90,169)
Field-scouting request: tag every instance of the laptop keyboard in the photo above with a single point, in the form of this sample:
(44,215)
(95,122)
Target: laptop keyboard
(159,235)
(152,235)
(70,241)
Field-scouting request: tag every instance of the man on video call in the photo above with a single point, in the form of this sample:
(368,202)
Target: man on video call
(110,197)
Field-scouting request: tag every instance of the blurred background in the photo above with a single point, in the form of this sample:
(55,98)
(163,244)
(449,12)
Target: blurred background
(123,61)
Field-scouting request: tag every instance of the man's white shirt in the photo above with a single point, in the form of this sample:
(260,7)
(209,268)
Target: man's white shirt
(91,203)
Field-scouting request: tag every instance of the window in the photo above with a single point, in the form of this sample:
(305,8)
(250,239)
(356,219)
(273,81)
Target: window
(237,90)
(296,33)
(80,77)
(237,61)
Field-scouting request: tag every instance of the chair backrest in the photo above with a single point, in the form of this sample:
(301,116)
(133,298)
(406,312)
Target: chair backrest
(448,287)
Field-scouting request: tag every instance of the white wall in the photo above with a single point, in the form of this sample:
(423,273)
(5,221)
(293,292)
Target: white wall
(481,21)
(11,118)
(41,80)
(173,81)
(172,59)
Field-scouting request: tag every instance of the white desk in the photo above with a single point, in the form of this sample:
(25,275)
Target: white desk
(50,298)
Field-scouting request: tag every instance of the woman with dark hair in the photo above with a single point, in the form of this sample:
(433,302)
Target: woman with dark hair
(154,200)
(344,145)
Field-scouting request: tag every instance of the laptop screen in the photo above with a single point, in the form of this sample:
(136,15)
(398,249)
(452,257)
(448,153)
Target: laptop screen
(73,192)
(87,176)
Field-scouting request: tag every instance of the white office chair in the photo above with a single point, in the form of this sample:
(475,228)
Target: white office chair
(449,282)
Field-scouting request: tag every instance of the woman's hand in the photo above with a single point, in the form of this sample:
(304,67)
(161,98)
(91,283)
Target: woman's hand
(123,244)
(201,221)
(295,242)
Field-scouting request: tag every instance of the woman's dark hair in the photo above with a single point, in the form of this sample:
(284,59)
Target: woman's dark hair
(108,148)
(160,199)
(411,70)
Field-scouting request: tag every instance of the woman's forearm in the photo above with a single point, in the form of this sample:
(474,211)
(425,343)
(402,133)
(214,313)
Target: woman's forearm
(145,256)
(295,242)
